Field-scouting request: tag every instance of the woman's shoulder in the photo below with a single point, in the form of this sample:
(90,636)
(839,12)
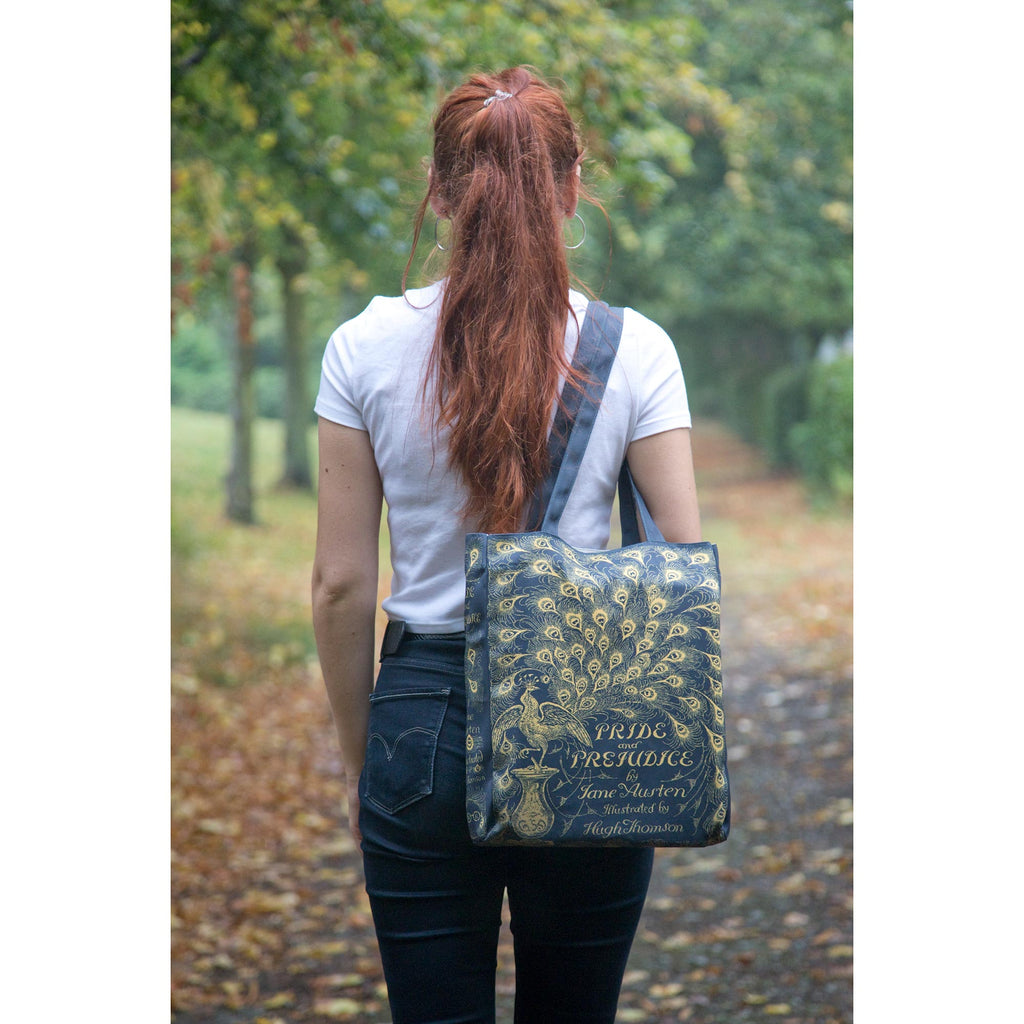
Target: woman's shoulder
(388,319)
(412,307)
(639,331)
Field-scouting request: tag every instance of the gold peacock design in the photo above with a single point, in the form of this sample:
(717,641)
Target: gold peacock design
(541,723)
(585,662)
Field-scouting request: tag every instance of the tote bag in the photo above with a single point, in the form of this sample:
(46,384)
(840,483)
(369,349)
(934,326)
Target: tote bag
(595,710)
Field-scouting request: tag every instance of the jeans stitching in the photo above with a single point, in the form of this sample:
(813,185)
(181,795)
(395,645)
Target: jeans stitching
(434,732)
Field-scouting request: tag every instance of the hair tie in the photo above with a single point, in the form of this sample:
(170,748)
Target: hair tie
(499,94)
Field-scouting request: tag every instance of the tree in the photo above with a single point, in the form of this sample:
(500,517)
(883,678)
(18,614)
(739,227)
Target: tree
(236,76)
(243,411)
(310,117)
(759,236)
(292,261)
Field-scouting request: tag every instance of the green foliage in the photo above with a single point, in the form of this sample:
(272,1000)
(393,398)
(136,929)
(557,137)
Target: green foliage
(783,405)
(718,136)
(209,390)
(318,113)
(823,443)
(738,398)
(201,351)
(749,259)
(200,371)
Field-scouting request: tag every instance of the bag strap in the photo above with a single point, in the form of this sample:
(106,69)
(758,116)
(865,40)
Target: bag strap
(631,502)
(576,413)
(574,421)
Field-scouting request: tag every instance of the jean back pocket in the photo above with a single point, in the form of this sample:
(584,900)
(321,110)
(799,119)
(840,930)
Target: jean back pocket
(401,744)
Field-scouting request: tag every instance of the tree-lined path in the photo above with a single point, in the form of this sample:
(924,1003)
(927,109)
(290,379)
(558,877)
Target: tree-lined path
(270,922)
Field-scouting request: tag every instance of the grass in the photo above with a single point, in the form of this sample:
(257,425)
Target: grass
(240,594)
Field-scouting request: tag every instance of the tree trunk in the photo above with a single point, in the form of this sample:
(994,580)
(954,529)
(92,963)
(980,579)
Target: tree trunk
(291,263)
(243,397)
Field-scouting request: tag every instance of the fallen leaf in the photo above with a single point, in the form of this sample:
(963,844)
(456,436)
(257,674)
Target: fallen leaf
(634,977)
(631,1015)
(182,683)
(275,1002)
(218,827)
(338,981)
(793,884)
(697,866)
(666,991)
(313,820)
(339,1008)
(259,901)
(320,950)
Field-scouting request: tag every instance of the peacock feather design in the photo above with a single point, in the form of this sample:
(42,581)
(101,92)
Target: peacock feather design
(583,660)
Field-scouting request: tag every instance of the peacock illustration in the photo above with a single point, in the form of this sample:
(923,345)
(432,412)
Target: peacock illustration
(540,722)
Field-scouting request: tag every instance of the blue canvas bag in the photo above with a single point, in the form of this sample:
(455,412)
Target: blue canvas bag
(593,678)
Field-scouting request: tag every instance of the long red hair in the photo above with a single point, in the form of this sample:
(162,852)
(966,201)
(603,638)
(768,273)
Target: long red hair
(501,172)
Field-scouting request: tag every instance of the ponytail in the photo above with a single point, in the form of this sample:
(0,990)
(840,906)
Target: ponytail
(505,150)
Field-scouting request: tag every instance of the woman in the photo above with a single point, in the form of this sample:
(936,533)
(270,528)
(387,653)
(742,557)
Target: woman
(440,401)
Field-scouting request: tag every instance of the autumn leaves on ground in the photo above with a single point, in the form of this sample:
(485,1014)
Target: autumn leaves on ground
(270,923)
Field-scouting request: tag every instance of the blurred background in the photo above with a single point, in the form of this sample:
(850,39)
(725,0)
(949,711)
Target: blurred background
(719,140)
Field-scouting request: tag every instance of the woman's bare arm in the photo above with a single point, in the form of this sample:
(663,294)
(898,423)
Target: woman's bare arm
(345,570)
(662,467)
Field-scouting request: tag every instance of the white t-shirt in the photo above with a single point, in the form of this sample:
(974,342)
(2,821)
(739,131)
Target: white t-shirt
(372,379)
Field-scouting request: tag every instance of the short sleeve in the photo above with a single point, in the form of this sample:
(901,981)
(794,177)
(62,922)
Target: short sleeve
(336,400)
(662,402)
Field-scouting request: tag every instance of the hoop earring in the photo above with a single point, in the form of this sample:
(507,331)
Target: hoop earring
(584,238)
(437,242)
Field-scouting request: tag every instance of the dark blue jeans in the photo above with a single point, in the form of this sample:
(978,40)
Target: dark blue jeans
(437,898)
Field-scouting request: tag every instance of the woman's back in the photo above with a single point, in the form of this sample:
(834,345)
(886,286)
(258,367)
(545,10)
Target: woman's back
(374,372)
